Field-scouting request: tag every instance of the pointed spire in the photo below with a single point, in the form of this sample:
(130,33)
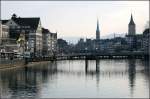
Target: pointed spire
(131,21)
(97,25)
(97,30)
(131,17)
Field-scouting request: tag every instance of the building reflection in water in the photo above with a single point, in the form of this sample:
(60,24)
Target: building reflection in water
(25,82)
(131,75)
(87,67)
(146,64)
(96,72)
(97,65)
(28,82)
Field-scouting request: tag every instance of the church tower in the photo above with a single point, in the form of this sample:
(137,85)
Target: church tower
(131,27)
(97,31)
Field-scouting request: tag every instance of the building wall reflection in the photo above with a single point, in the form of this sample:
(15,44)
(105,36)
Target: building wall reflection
(25,81)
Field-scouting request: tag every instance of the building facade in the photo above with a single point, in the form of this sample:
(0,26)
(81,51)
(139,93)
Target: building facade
(33,32)
(6,45)
(146,41)
(49,42)
(54,42)
(4,33)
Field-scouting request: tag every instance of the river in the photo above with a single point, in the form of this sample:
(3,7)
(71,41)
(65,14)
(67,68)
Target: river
(105,78)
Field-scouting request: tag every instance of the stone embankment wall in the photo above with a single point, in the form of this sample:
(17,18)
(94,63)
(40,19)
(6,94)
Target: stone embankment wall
(17,63)
(7,63)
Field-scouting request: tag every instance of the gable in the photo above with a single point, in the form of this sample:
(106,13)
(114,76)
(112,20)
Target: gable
(39,27)
(11,23)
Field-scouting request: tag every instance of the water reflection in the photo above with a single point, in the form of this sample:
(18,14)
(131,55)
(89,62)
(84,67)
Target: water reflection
(25,82)
(83,78)
(88,71)
(97,65)
(132,74)
(95,72)
(86,66)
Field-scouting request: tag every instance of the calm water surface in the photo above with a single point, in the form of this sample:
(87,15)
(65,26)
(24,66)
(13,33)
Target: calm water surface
(78,78)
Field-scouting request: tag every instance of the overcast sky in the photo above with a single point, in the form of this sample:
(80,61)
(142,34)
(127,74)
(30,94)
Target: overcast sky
(79,18)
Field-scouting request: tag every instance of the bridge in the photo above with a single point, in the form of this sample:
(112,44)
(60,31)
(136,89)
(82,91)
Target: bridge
(119,55)
(91,56)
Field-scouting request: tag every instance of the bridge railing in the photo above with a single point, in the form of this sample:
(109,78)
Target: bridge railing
(104,54)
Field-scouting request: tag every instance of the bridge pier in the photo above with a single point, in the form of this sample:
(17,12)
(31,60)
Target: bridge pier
(97,65)
(86,65)
(147,57)
(110,57)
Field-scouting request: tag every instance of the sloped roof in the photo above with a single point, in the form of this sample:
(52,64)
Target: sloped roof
(32,22)
(45,30)
(146,31)
(4,21)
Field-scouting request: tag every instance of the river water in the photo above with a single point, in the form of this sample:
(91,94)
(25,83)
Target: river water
(78,79)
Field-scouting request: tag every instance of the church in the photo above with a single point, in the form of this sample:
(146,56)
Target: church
(134,40)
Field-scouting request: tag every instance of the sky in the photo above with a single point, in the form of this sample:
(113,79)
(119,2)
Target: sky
(79,18)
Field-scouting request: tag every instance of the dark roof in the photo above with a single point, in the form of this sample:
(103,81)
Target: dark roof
(45,30)
(139,36)
(146,31)
(32,22)
(130,35)
(131,21)
(4,21)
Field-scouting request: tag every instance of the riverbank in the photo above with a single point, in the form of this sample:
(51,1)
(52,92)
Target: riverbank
(18,63)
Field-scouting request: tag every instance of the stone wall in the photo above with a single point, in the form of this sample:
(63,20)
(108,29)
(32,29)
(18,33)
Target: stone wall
(7,63)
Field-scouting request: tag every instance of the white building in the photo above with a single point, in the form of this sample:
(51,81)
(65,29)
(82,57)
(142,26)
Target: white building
(33,32)
(49,42)
(4,33)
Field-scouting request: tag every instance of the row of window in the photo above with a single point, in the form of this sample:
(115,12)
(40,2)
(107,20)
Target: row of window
(18,27)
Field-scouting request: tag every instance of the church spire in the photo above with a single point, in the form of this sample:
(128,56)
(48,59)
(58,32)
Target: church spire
(97,25)
(131,27)
(131,21)
(97,31)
